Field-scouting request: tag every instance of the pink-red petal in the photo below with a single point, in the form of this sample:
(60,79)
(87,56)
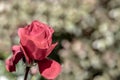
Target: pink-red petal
(50,49)
(17,55)
(28,59)
(49,68)
(9,65)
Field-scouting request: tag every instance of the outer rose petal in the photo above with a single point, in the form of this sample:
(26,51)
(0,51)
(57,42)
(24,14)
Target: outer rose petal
(17,54)
(11,62)
(50,49)
(49,68)
(28,59)
(9,65)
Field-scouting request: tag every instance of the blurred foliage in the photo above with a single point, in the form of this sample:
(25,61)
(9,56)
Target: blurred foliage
(88,32)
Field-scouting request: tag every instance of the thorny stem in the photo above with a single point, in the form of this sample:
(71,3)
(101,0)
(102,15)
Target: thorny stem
(26,73)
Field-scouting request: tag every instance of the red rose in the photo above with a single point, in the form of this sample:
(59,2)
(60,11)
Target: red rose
(35,45)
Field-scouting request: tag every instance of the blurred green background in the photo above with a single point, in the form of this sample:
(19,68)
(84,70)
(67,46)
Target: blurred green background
(88,32)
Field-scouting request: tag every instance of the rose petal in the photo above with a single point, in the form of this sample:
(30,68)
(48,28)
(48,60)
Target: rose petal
(17,54)
(11,62)
(41,34)
(26,54)
(39,54)
(41,40)
(36,27)
(22,33)
(16,49)
(49,68)
(32,52)
(37,23)
(50,49)
(9,65)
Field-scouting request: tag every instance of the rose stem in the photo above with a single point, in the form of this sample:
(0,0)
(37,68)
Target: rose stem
(26,73)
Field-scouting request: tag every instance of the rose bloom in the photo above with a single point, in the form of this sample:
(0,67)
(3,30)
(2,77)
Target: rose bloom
(35,45)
